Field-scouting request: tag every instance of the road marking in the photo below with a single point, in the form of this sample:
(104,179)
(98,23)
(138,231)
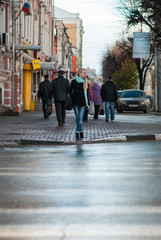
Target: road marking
(99,210)
(95,169)
(105,174)
(79,230)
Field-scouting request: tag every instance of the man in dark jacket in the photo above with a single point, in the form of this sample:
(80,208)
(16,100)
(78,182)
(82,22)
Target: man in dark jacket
(109,96)
(44,93)
(59,90)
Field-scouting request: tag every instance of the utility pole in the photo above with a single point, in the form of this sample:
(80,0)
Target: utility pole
(13,56)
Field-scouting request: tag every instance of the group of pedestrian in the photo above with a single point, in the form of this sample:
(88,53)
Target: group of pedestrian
(81,93)
(58,89)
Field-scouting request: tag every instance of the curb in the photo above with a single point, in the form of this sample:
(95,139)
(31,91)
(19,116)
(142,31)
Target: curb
(39,142)
(132,138)
(140,137)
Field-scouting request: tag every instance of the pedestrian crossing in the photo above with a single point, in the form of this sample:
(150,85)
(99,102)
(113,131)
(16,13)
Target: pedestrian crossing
(81,193)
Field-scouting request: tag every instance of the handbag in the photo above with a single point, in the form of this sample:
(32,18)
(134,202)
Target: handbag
(49,109)
(102,109)
(91,109)
(68,105)
(102,112)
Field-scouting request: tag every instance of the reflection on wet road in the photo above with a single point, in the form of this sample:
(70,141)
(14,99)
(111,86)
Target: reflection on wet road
(106,191)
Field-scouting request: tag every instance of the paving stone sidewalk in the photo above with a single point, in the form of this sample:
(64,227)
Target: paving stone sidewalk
(32,128)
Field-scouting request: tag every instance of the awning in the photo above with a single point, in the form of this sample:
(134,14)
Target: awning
(27,47)
(47,65)
(43,65)
(27,56)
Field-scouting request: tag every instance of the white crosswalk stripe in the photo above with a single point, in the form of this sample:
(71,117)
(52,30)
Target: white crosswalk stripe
(75,230)
(99,210)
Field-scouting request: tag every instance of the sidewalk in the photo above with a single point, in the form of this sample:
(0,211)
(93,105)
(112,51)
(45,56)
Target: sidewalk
(31,128)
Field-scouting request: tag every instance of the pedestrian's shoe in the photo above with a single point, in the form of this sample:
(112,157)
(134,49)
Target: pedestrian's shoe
(46,117)
(81,135)
(60,124)
(77,136)
(106,120)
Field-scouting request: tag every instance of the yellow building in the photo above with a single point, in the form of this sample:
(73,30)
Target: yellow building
(74,26)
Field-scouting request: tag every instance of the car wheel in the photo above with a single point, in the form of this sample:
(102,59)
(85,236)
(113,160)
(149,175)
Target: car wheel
(145,111)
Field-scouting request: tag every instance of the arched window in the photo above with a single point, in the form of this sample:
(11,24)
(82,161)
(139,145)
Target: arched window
(22,22)
(3,20)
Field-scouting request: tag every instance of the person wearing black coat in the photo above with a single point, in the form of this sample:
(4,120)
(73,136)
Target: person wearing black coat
(60,90)
(44,94)
(78,93)
(109,96)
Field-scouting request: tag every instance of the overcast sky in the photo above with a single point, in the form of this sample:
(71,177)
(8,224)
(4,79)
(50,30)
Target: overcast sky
(102,27)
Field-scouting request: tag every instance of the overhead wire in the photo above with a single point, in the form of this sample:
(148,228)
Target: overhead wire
(85,2)
(93,25)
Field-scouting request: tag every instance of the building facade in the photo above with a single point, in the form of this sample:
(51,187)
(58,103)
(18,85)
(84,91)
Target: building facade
(25,36)
(74,29)
(35,39)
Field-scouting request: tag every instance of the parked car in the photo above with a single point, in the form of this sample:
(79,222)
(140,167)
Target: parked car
(133,100)
(119,94)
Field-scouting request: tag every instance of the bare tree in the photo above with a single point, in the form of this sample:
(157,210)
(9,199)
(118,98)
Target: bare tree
(122,51)
(146,12)
(112,60)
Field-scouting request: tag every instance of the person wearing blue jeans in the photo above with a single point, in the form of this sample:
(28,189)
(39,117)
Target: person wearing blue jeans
(109,96)
(45,104)
(109,110)
(78,93)
(79,113)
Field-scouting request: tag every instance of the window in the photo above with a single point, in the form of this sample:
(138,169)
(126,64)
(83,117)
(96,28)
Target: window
(2,19)
(1,95)
(131,94)
(45,41)
(22,22)
(36,30)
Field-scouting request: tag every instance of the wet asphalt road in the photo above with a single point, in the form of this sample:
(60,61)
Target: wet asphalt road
(104,191)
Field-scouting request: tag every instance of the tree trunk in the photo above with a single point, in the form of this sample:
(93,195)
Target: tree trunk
(140,70)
